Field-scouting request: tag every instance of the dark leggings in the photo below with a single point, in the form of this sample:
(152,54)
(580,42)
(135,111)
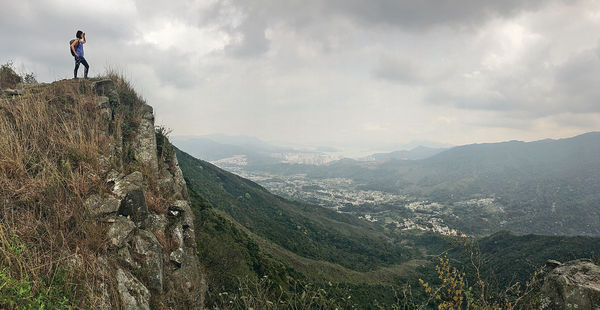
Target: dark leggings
(81,60)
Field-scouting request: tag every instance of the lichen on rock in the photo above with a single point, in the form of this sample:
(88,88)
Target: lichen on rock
(134,295)
(572,285)
(156,260)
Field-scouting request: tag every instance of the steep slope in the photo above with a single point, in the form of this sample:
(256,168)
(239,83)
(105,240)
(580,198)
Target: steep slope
(94,212)
(261,246)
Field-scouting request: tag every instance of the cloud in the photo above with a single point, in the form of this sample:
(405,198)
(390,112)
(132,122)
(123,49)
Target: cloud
(251,39)
(535,90)
(337,71)
(251,20)
(399,69)
(402,13)
(576,83)
(425,14)
(374,127)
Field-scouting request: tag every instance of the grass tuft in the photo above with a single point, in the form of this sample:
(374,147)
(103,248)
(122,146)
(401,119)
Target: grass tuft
(51,140)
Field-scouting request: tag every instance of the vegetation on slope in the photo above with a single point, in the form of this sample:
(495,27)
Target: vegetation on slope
(504,259)
(54,148)
(307,230)
(259,250)
(547,187)
(50,145)
(243,271)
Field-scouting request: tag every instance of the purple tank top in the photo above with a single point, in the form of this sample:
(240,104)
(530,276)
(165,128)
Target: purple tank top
(79,49)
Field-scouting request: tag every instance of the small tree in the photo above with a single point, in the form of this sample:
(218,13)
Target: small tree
(455,293)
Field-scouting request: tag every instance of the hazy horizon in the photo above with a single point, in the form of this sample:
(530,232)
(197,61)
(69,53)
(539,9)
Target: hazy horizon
(344,74)
(345,150)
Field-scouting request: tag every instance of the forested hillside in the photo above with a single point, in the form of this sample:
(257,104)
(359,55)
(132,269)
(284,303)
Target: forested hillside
(544,187)
(244,238)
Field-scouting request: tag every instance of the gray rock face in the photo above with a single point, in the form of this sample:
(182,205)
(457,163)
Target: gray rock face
(146,246)
(572,285)
(145,140)
(182,210)
(97,206)
(103,87)
(129,183)
(176,257)
(134,295)
(156,223)
(187,281)
(134,206)
(103,104)
(152,256)
(124,257)
(120,231)
(178,180)
(172,181)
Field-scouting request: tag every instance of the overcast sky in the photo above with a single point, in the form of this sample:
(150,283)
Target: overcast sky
(341,73)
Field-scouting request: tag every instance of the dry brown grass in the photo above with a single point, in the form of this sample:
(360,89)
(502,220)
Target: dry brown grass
(157,204)
(50,142)
(8,77)
(167,242)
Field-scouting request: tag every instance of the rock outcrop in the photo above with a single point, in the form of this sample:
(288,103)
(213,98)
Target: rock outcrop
(152,252)
(572,285)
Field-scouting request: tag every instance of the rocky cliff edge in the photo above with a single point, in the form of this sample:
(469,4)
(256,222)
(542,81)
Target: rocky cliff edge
(88,184)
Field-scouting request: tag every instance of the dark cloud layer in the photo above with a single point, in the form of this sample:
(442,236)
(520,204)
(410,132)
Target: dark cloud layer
(323,72)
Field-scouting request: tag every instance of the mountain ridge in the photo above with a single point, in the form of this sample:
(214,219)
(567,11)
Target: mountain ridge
(99,210)
(543,187)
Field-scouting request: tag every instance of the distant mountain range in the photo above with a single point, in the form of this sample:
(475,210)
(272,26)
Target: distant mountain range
(546,187)
(217,147)
(230,151)
(419,152)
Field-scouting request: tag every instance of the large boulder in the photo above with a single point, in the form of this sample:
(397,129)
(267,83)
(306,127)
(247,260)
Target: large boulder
(149,253)
(103,87)
(171,179)
(120,231)
(144,143)
(181,209)
(103,105)
(134,207)
(572,285)
(125,184)
(97,206)
(133,293)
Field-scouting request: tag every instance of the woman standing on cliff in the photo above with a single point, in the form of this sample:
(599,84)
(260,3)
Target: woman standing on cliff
(77,49)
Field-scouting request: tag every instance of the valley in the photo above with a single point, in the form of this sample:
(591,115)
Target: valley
(541,187)
(343,195)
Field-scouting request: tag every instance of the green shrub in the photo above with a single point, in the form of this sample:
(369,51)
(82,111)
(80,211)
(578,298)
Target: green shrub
(8,77)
